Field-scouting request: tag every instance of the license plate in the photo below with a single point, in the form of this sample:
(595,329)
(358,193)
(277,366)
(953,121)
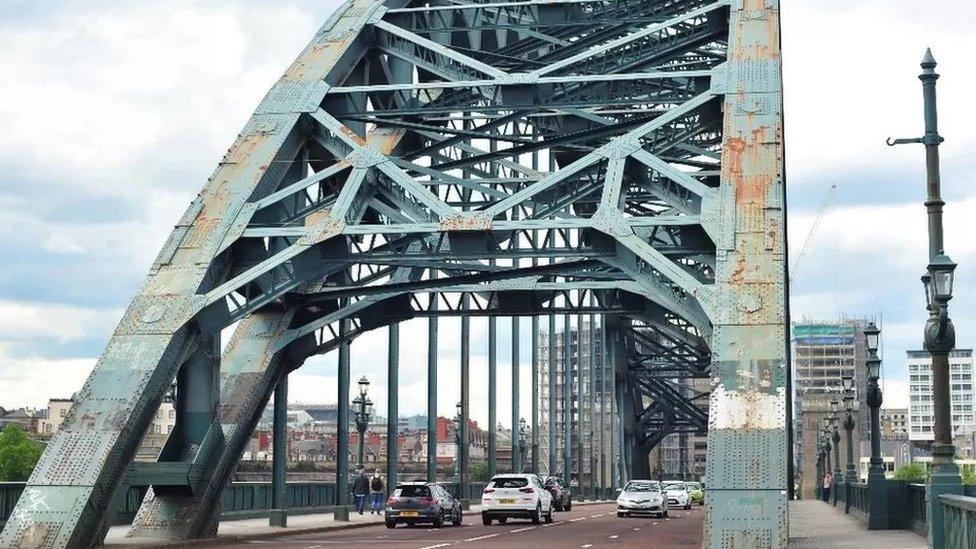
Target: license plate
(408,513)
(506,501)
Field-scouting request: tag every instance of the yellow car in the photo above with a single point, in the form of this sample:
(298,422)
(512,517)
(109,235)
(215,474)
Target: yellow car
(696,492)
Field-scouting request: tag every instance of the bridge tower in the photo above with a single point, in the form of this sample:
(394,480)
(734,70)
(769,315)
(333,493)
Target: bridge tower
(505,158)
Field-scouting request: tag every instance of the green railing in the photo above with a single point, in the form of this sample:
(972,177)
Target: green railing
(918,520)
(240,499)
(960,521)
(859,500)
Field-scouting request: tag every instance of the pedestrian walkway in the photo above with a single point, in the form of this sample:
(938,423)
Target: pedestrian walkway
(815,524)
(258,529)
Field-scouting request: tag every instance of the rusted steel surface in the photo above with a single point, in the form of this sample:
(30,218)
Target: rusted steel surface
(747,439)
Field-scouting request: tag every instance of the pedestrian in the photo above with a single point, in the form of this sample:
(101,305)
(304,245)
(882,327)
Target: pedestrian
(377,489)
(827,481)
(360,488)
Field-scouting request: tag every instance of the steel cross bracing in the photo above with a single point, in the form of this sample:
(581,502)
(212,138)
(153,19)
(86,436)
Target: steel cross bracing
(505,158)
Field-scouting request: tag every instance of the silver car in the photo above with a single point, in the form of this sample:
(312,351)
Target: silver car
(642,497)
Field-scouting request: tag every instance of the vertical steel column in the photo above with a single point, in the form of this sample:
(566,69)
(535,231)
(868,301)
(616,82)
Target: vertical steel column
(492,393)
(747,435)
(279,451)
(579,399)
(432,392)
(535,394)
(197,393)
(608,371)
(552,394)
(591,399)
(603,406)
(517,466)
(342,423)
(393,406)
(567,400)
(465,401)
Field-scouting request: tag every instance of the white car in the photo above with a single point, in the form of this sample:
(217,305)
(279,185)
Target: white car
(515,496)
(642,497)
(677,494)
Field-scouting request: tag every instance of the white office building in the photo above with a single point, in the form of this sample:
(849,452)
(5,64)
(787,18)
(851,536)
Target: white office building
(920,414)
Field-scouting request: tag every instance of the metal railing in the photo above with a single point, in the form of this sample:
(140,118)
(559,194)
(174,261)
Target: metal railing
(860,506)
(960,521)
(918,520)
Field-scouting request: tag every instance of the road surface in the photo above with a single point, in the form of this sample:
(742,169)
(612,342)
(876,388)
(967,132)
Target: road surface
(585,527)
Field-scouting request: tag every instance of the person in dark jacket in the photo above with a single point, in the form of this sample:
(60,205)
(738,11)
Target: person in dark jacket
(377,491)
(360,488)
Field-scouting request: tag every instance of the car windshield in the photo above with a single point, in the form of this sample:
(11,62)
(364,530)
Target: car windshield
(509,482)
(411,491)
(637,486)
(694,486)
(674,486)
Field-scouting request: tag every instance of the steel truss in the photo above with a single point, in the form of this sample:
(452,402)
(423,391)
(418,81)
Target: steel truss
(505,158)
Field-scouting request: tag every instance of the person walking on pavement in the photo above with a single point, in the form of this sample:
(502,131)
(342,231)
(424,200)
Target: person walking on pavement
(827,481)
(377,490)
(360,488)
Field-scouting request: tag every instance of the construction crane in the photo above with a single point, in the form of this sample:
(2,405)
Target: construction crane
(813,229)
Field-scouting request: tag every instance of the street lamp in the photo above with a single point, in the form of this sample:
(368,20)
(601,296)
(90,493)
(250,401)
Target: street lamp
(364,407)
(878,504)
(521,440)
(940,337)
(851,476)
(457,441)
(835,436)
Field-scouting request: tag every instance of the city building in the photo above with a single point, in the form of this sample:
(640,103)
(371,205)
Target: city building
(577,408)
(894,423)
(920,417)
(57,410)
(824,351)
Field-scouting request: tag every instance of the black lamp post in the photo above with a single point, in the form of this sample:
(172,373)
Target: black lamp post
(851,477)
(457,442)
(523,428)
(835,437)
(364,407)
(877,486)
(940,337)
(827,446)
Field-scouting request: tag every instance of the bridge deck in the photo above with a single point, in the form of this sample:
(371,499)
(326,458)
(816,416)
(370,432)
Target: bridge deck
(814,524)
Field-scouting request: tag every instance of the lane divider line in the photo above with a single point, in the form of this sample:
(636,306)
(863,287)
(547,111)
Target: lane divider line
(522,529)
(436,546)
(482,537)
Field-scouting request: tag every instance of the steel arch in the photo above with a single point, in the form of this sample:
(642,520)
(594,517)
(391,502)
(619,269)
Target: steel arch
(628,149)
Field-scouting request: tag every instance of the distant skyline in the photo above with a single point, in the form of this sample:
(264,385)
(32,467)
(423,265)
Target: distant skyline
(115,113)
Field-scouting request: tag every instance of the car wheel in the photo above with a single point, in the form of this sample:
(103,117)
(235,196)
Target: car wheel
(390,524)
(486,520)
(620,514)
(569,505)
(537,517)
(549,514)
(458,517)
(439,519)
(559,508)
(688,506)
(503,520)
(665,515)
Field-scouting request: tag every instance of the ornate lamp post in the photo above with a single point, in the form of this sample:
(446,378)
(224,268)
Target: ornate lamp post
(940,337)
(835,437)
(827,446)
(364,408)
(851,477)
(457,441)
(877,487)
(521,440)
(820,464)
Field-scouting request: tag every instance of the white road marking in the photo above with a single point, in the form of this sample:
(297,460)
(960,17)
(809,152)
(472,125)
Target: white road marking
(522,529)
(482,537)
(587,545)
(655,524)
(595,516)
(577,519)
(637,529)
(435,546)
(614,536)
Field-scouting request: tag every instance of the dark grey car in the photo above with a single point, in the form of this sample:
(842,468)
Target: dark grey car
(415,502)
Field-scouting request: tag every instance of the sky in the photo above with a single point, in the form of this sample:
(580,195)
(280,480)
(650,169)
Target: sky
(114,113)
